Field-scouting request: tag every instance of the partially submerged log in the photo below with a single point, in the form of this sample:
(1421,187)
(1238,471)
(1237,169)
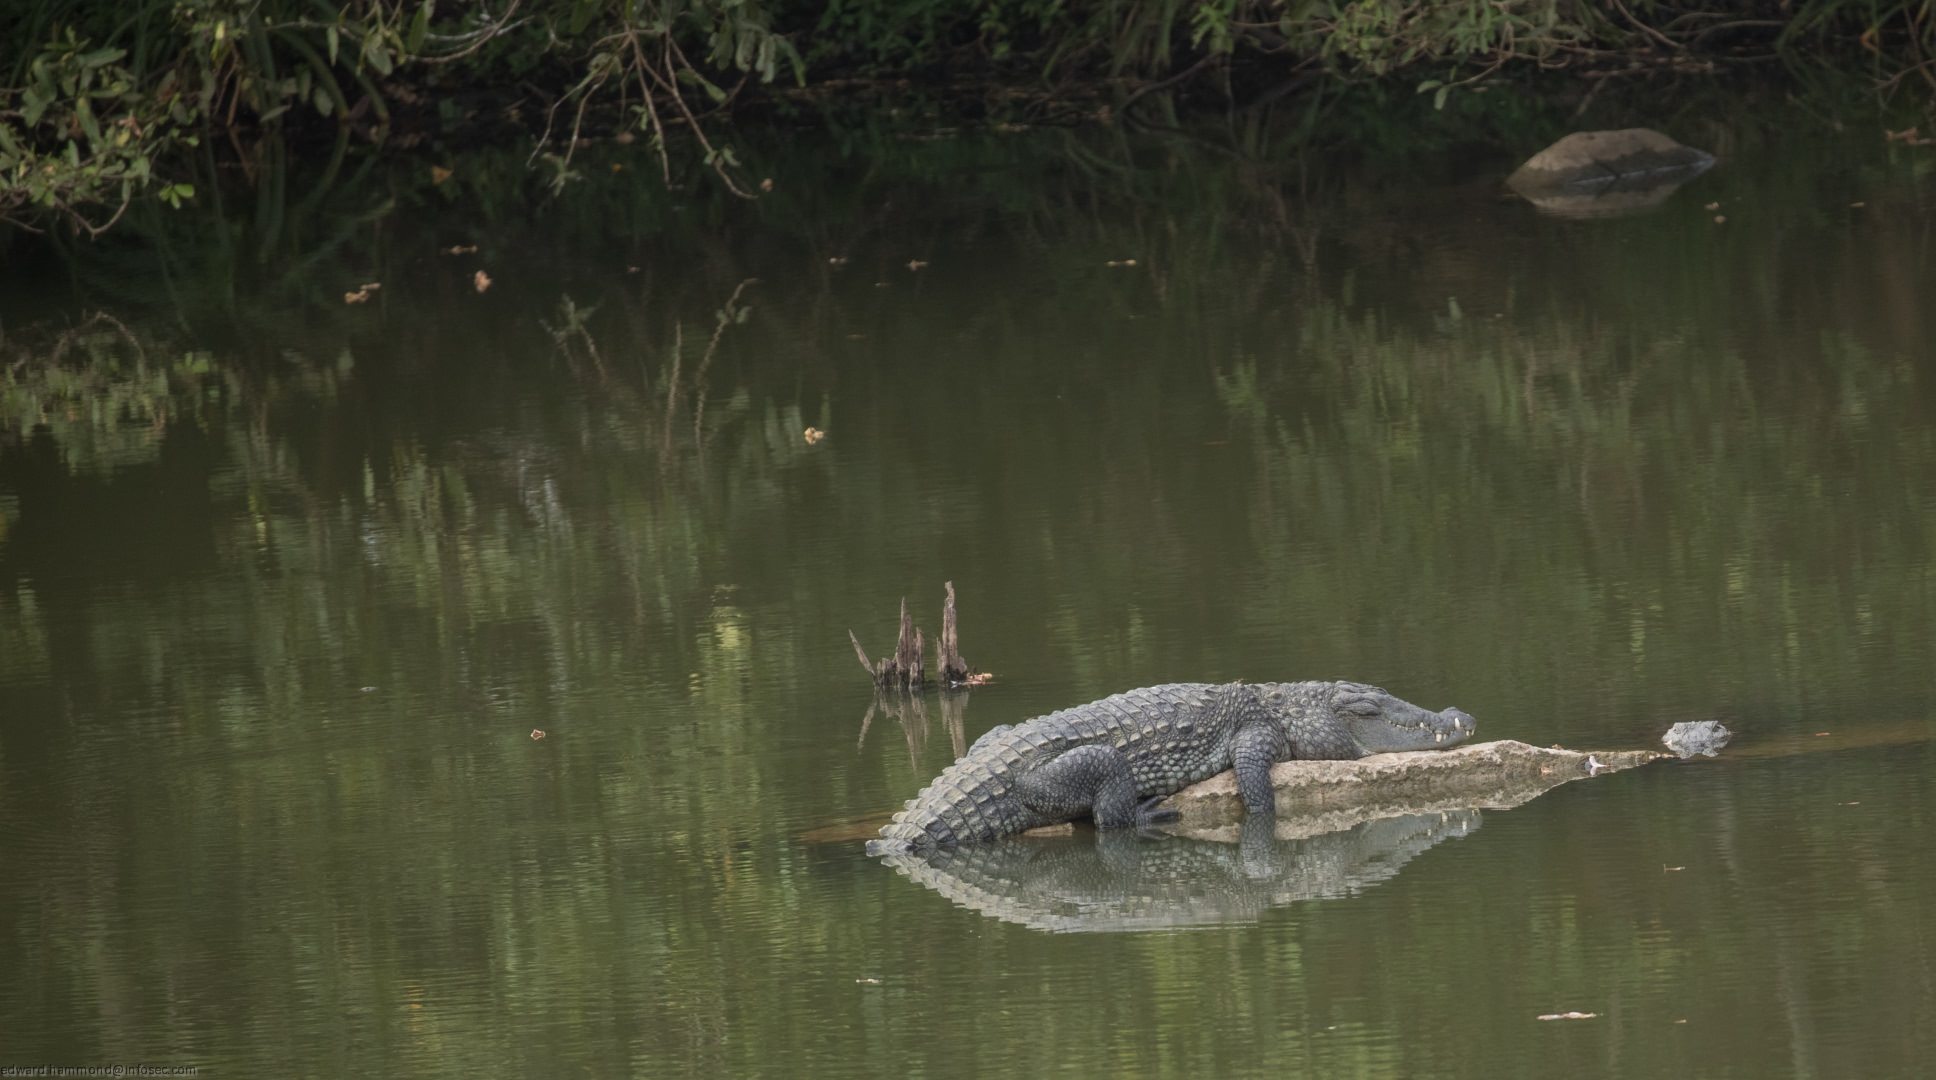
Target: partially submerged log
(904,669)
(1491,775)
(1318,797)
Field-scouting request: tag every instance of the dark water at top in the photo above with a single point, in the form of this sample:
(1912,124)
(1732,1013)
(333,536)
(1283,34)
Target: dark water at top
(284,596)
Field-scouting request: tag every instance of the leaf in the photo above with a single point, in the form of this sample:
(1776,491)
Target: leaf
(102,57)
(1438,99)
(419,27)
(323,102)
(33,104)
(92,128)
(330,36)
(375,55)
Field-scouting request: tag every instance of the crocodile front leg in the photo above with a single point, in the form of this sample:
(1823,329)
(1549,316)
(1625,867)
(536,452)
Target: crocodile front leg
(1093,781)
(1254,748)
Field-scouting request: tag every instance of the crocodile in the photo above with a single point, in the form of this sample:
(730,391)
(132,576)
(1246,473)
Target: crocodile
(1115,759)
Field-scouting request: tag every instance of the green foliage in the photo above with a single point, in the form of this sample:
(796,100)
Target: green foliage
(98,102)
(79,138)
(1381,36)
(100,115)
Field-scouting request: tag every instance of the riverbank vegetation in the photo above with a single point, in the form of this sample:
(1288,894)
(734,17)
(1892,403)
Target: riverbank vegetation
(104,105)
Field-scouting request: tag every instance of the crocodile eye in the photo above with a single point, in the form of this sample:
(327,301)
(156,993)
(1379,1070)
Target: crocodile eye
(1360,707)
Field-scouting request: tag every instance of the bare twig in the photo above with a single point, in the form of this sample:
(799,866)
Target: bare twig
(1645,29)
(726,316)
(476,38)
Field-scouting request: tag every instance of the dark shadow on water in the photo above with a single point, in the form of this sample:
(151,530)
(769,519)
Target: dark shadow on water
(1118,882)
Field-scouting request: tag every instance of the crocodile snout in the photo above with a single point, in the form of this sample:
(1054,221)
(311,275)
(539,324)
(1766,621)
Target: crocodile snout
(1462,721)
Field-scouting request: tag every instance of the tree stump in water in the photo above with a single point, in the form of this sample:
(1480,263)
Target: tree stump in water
(954,670)
(904,668)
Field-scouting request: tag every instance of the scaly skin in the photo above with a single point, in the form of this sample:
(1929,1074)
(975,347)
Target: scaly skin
(1112,759)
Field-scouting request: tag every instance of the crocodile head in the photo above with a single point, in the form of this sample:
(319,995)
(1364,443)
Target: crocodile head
(1382,723)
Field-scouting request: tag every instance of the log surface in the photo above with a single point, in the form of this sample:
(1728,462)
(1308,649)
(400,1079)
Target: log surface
(1494,775)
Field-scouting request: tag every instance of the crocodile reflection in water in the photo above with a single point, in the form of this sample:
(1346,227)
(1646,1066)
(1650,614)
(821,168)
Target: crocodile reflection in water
(1117,881)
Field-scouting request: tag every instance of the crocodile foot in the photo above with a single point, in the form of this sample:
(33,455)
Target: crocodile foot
(1149,812)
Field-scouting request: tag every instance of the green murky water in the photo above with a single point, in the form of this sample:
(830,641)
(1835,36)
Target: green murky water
(286,585)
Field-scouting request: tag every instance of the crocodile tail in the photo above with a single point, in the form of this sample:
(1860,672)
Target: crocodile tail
(899,837)
(933,819)
(969,801)
(920,827)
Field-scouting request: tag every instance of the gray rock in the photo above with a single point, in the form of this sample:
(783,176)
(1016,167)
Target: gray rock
(1602,173)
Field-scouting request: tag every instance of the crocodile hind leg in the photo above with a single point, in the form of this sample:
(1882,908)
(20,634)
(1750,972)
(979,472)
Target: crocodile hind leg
(1093,781)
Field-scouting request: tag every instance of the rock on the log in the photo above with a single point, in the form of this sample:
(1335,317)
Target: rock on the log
(1489,775)
(1702,737)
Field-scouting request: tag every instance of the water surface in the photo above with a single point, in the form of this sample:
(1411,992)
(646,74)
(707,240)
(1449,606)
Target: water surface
(289,589)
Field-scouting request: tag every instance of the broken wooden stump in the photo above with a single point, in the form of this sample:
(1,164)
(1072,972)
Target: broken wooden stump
(954,670)
(904,669)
